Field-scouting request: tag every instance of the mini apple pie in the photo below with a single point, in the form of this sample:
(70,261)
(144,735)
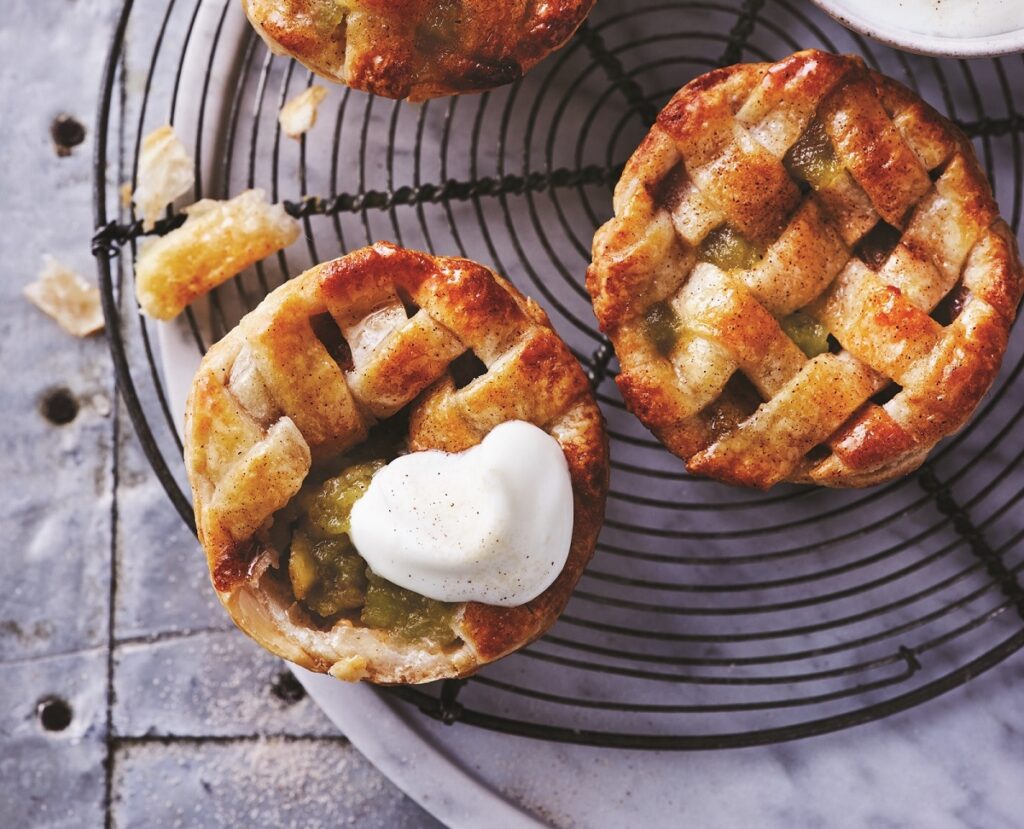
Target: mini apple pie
(350,369)
(417,49)
(806,278)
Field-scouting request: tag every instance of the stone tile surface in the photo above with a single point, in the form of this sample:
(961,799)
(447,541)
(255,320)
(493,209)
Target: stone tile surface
(216,684)
(271,782)
(53,778)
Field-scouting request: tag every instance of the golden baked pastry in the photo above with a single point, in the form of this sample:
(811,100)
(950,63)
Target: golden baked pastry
(417,49)
(806,278)
(351,349)
(218,241)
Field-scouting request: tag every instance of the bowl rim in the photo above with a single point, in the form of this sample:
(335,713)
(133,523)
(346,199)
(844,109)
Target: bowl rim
(952,47)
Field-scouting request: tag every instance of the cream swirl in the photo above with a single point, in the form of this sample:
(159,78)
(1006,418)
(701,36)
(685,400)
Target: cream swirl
(492,524)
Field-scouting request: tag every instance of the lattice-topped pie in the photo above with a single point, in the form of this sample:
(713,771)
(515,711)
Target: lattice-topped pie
(417,49)
(806,278)
(352,363)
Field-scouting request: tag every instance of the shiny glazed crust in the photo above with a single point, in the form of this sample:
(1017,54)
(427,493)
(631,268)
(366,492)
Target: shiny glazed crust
(269,400)
(900,254)
(417,49)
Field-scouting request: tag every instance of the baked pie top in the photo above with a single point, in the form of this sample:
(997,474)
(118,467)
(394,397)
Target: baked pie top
(417,49)
(312,369)
(806,278)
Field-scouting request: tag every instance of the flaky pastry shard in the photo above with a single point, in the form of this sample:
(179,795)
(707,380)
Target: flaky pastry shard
(298,115)
(166,171)
(66,297)
(218,241)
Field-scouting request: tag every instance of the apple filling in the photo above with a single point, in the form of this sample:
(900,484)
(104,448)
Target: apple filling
(331,580)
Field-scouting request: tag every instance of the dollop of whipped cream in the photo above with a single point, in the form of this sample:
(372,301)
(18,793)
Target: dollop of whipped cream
(492,524)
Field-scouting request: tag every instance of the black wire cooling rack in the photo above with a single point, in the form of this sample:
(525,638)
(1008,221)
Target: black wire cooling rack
(711,617)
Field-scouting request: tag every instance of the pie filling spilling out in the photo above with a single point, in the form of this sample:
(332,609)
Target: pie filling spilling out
(337,379)
(417,49)
(806,278)
(332,581)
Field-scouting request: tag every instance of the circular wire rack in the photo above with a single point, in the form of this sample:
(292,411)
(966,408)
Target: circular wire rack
(710,617)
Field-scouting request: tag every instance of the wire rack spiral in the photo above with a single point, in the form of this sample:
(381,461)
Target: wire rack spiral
(710,617)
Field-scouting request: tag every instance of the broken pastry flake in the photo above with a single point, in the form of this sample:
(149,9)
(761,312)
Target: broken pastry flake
(65,296)
(299,115)
(219,240)
(165,172)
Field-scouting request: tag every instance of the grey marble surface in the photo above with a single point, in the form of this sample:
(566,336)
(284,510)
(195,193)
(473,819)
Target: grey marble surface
(176,719)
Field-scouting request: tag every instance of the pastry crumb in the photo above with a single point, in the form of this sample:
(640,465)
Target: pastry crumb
(166,171)
(299,115)
(218,241)
(349,669)
(65,296)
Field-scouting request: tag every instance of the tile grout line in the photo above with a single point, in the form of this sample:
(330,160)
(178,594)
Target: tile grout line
(130,740)
(111,613)
(115,480)
(161,636)
(35,659)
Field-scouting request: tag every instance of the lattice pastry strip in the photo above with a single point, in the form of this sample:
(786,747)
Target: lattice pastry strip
(266,476)
(241,471)
(782,104)
(455,419)
(773,441)
(923,130)
(305,376)
(301,376)
(876,322)
(946,225)
(403,364)
(800,264)
(747,335)
(870,147)
(805,186)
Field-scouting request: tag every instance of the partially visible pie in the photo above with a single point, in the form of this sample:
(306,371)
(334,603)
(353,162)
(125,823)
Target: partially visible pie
(417,49)
(806,278)
(295,409)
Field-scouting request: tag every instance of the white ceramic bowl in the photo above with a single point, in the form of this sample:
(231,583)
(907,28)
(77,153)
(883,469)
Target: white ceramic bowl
(876,25)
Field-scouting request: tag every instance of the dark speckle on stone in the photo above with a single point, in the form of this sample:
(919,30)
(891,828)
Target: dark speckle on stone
(67,133)
(59,406)
(54,713)
(287,688)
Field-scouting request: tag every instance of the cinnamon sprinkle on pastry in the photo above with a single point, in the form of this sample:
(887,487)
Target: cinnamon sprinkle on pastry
(798,224)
